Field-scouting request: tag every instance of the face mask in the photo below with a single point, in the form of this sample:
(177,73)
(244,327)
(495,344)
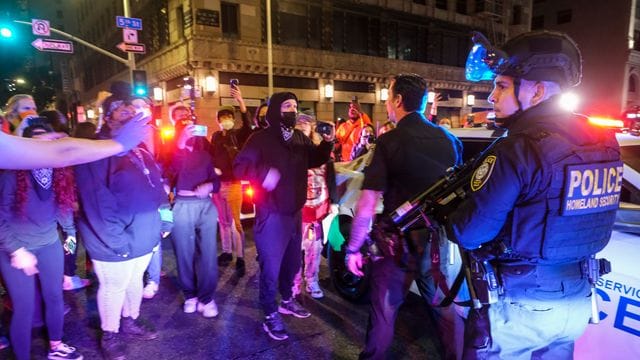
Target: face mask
(28,113)
(262,122)
(446,126)
(227,124)
(289,119)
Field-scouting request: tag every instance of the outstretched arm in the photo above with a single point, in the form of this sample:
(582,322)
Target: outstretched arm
(23,153)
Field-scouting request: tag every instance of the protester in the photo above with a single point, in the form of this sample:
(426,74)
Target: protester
(365,142)
(195,221)
(225,145)
(276,161)
(348,132)
(32,204)
(321,194)
(120,224)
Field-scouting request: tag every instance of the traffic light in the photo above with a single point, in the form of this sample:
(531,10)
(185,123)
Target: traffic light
(6,31)
(139,81)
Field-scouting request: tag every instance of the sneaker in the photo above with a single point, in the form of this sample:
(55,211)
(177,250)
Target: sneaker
(138,329)
(293,307)
(240,268)
(112,347)
(190,305)
(313,288)
(150,290)
(64,351)
(74,282)
(274,326)
(209,309)
(225,259)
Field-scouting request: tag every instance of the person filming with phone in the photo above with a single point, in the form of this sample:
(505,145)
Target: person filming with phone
(225,145)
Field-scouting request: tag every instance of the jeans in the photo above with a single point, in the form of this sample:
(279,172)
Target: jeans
(194,243)
(155,264)
(22,289)
(229,203)
(278,242)
(120,290)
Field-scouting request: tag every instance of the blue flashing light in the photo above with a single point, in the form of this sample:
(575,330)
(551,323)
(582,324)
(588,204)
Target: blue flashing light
(476,68)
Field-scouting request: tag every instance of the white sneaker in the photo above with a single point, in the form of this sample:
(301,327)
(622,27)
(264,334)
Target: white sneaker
(74,282)
(209,309)
(313,288)
(150,290)
(190,305)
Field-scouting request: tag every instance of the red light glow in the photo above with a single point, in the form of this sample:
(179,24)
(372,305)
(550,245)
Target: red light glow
(606,122)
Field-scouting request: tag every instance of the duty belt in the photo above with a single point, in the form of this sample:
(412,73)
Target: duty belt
(545,272)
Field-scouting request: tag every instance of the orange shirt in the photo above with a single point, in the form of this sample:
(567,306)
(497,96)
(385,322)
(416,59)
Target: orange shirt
(348,134)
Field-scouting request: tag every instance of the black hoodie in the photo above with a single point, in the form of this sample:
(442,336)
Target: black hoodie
(267,149)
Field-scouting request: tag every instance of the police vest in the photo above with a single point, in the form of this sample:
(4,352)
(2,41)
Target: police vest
(573,218)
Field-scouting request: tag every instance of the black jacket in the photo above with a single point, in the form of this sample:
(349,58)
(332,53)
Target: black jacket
(226,146)
(267,149)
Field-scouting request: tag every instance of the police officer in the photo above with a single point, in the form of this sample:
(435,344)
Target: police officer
(536,198)
(405,161)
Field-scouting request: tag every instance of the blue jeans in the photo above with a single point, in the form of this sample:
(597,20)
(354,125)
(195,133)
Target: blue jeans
(155,265)
(22,292)
(278,242)
(194,242)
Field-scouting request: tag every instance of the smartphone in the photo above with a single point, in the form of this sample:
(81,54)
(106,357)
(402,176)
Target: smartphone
(234,83)
(200,130)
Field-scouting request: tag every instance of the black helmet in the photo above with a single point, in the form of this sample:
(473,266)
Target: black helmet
(535,56)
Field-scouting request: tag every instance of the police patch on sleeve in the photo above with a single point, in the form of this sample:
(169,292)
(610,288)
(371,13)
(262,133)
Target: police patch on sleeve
(482,173)
(592,188)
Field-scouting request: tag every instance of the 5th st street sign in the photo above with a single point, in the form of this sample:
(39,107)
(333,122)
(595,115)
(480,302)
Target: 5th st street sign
(51,45)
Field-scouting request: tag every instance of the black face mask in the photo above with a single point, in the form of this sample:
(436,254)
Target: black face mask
(289,119)
(262,122)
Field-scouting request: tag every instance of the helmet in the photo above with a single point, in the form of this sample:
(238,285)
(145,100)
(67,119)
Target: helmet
(535,56)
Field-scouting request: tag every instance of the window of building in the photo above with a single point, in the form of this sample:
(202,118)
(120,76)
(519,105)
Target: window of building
(461,7)
(59,14)
(517,15)
(180,21)
(356,34)
(441,4)
(420,2)
(632,84)
(636,40)
(229,18)
(537,22)
(338,31)
(563,16)
(407,47)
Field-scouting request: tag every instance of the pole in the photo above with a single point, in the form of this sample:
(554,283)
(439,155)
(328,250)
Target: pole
(269,50)
(82,42)
(130,56)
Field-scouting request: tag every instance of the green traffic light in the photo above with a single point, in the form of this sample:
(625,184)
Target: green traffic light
(6,32)
(141,91)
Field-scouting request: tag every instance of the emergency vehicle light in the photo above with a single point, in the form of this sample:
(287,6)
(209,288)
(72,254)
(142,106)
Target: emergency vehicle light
(606,122)
(167,132)
(249,191)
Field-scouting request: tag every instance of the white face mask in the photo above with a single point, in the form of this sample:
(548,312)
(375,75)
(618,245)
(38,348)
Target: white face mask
(227,124)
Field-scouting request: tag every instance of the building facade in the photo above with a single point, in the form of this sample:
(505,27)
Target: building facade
(608,35)
(348,46)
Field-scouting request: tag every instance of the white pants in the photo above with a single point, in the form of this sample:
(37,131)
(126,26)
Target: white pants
(120,290)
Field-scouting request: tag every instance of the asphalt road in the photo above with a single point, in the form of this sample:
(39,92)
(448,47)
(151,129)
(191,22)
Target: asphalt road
(336,329)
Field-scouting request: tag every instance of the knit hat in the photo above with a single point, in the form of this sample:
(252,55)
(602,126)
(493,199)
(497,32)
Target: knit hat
(226,110)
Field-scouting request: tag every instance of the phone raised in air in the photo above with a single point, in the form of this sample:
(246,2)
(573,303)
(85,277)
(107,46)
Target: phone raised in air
(200,130)
(234,83)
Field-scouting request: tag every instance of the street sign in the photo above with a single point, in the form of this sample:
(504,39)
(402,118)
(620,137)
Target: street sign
(128,23)
(130,36)
(40,27)
(134,48)
(52,45)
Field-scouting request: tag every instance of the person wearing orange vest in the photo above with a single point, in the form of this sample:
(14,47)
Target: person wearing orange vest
(348,133)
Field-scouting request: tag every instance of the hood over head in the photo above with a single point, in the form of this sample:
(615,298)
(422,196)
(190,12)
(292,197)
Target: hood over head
(274,117)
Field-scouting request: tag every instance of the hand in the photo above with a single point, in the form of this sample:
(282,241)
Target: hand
(271,180)
(186,134)
(354,263)
(331,136)
(133,132)
(217,171)
(69,245)
(24,260)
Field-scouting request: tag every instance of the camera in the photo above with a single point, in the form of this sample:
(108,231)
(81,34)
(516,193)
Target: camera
(323,128)
(234,83)
(199,130)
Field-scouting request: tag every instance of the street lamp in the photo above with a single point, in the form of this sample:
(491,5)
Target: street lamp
(384,94)
(328,91)
(471,99)
(210,84)
(157,93)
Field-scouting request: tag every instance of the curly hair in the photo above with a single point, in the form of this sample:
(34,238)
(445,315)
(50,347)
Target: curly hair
(64,188)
